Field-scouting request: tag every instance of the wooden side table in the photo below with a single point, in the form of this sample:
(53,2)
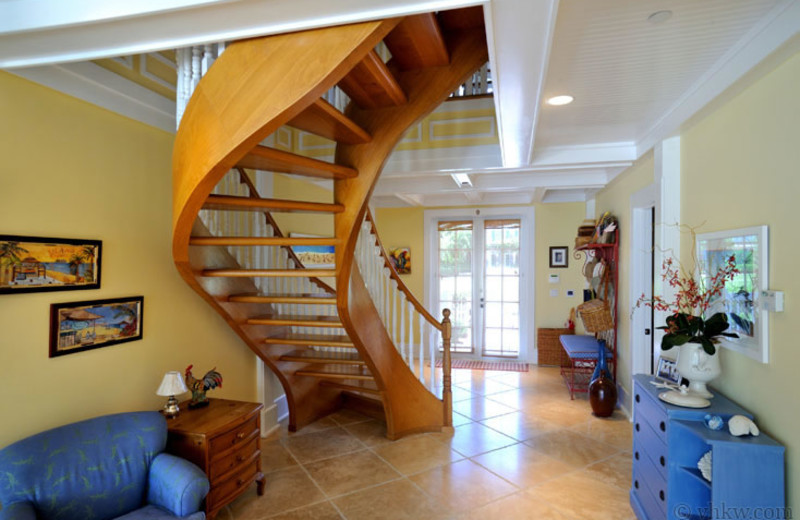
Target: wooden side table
(224,440)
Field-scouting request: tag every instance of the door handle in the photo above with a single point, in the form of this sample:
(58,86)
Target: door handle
(646,332)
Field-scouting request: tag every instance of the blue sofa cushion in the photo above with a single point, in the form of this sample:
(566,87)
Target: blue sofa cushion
(176,484)
(89,470)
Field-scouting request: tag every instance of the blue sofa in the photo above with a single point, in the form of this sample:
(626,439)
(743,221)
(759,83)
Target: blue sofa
(108,467)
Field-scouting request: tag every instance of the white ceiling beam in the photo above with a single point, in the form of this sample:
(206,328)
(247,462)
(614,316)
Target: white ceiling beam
(518,71)
(538,195)
(581,154)
(92,29)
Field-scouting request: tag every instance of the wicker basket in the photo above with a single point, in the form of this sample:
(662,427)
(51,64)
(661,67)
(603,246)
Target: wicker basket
(582,241)
(596,316)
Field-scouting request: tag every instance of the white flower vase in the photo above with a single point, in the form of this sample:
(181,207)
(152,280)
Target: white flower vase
(698,367)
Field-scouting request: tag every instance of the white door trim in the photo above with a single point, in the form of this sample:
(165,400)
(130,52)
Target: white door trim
(527,248)
(642,202)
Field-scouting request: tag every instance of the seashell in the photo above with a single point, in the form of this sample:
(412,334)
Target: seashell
(713,422)
(740,425)
(704,465)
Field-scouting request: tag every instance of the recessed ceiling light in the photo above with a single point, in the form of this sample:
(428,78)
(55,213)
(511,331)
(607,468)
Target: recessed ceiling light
(560,100)
(659,17)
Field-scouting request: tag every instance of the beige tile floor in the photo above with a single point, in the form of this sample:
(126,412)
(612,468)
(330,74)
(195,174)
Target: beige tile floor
(521,450)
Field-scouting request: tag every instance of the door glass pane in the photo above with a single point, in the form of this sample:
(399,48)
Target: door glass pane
(455,280)
(501,281)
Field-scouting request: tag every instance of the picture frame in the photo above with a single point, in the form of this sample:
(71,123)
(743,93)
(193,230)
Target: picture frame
(668,369)
(86,325)
(36,264)
(559,256)
(315,257)
(741,298)
(401,259)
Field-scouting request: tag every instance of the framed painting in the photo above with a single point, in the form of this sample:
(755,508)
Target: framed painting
(315,257)
(668,369)
(79,326)
(558,256)
(34,264)
(740,300)
(401,260)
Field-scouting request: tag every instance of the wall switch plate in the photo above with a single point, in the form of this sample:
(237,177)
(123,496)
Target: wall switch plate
(553,292)
(771,301)
(570,293)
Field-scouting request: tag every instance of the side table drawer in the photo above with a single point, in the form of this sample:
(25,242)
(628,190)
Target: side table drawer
(649,503)
(235,436)
(646,443)
(647,410)
(225,491)
(222,466)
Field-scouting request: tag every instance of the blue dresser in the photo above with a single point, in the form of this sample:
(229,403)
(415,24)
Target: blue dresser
(747,475)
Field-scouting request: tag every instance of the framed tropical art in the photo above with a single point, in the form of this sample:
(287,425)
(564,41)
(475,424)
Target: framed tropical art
(315,257)
(79,326)
(34,264)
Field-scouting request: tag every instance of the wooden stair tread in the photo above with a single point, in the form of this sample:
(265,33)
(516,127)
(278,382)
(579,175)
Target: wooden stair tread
(307,298)
(417,43)
(323,119)
(263,241)
(272,160)
(367,387)
(232,203)
(311,340)
(268,273)
(354,373)
(295,320)
(316,356)
(370,84)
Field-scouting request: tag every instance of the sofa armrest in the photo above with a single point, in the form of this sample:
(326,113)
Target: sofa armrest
(176,485)
(18,511)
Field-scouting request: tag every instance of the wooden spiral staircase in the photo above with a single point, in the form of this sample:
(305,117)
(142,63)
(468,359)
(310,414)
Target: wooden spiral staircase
(252,90)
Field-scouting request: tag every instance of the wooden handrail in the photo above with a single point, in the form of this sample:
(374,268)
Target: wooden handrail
(396,277)
(251,188)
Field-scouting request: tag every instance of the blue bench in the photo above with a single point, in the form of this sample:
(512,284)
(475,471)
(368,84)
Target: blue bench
(581,358)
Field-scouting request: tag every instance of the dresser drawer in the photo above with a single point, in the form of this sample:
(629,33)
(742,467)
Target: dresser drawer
(233,459)
(650,411)
(646,443)
(650,503)
(223,492)
(222,443)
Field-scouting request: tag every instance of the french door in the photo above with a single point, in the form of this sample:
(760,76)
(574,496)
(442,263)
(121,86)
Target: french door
(478,272)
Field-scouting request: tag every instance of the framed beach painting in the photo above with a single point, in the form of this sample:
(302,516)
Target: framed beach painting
(33,264)
(79,326)
(313,256)
(740,300)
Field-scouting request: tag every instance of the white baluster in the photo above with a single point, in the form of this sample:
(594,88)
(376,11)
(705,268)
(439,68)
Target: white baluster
(403,352)
(196,70)
(411,335)
(421,348)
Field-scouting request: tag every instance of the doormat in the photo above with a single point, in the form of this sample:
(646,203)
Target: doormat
(472,364)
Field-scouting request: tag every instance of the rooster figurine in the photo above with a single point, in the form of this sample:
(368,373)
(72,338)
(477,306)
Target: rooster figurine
(199,387)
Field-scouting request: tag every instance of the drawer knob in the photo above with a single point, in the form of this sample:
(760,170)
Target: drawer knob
(661,495)
(637,426)
(636,455)
(240,435)
(636,484)
(638,398)
(240,481)
(662,461)
(240,458)
(663,426)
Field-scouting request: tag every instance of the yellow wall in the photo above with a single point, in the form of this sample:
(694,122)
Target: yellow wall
(556,225)
(616,198)
(739,168)
(70,169)
(290,188)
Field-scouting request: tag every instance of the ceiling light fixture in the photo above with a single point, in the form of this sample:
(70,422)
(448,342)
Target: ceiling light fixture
(462,179)
(659,17)
(558,101)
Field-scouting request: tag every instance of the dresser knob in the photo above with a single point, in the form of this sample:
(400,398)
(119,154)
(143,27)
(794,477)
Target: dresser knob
(661,495)
(636,484)
(637,426)
(662,461)
(636,455)
(240,435)
(240,458)
(663,426)
(638,398)
(241,481)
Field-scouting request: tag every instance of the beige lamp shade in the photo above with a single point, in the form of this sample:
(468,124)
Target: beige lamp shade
(172,384)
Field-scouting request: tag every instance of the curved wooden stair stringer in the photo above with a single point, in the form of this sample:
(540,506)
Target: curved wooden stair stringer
(409,406)
(254,88)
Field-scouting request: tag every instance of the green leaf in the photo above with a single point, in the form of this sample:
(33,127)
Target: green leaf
(674,340)
(708,346)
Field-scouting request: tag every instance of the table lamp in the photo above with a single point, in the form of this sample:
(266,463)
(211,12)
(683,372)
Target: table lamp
(171,385)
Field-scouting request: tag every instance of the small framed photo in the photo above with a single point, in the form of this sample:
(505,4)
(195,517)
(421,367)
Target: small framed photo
(668,369)
(79,326)
(558,256)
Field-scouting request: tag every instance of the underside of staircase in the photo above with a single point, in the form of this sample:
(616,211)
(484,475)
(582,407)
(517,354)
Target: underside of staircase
(343,353)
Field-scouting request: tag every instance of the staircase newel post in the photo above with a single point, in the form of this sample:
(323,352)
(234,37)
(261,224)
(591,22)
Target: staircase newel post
(447,391)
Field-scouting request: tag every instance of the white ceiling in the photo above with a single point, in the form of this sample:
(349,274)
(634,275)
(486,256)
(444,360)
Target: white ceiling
(634,81)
